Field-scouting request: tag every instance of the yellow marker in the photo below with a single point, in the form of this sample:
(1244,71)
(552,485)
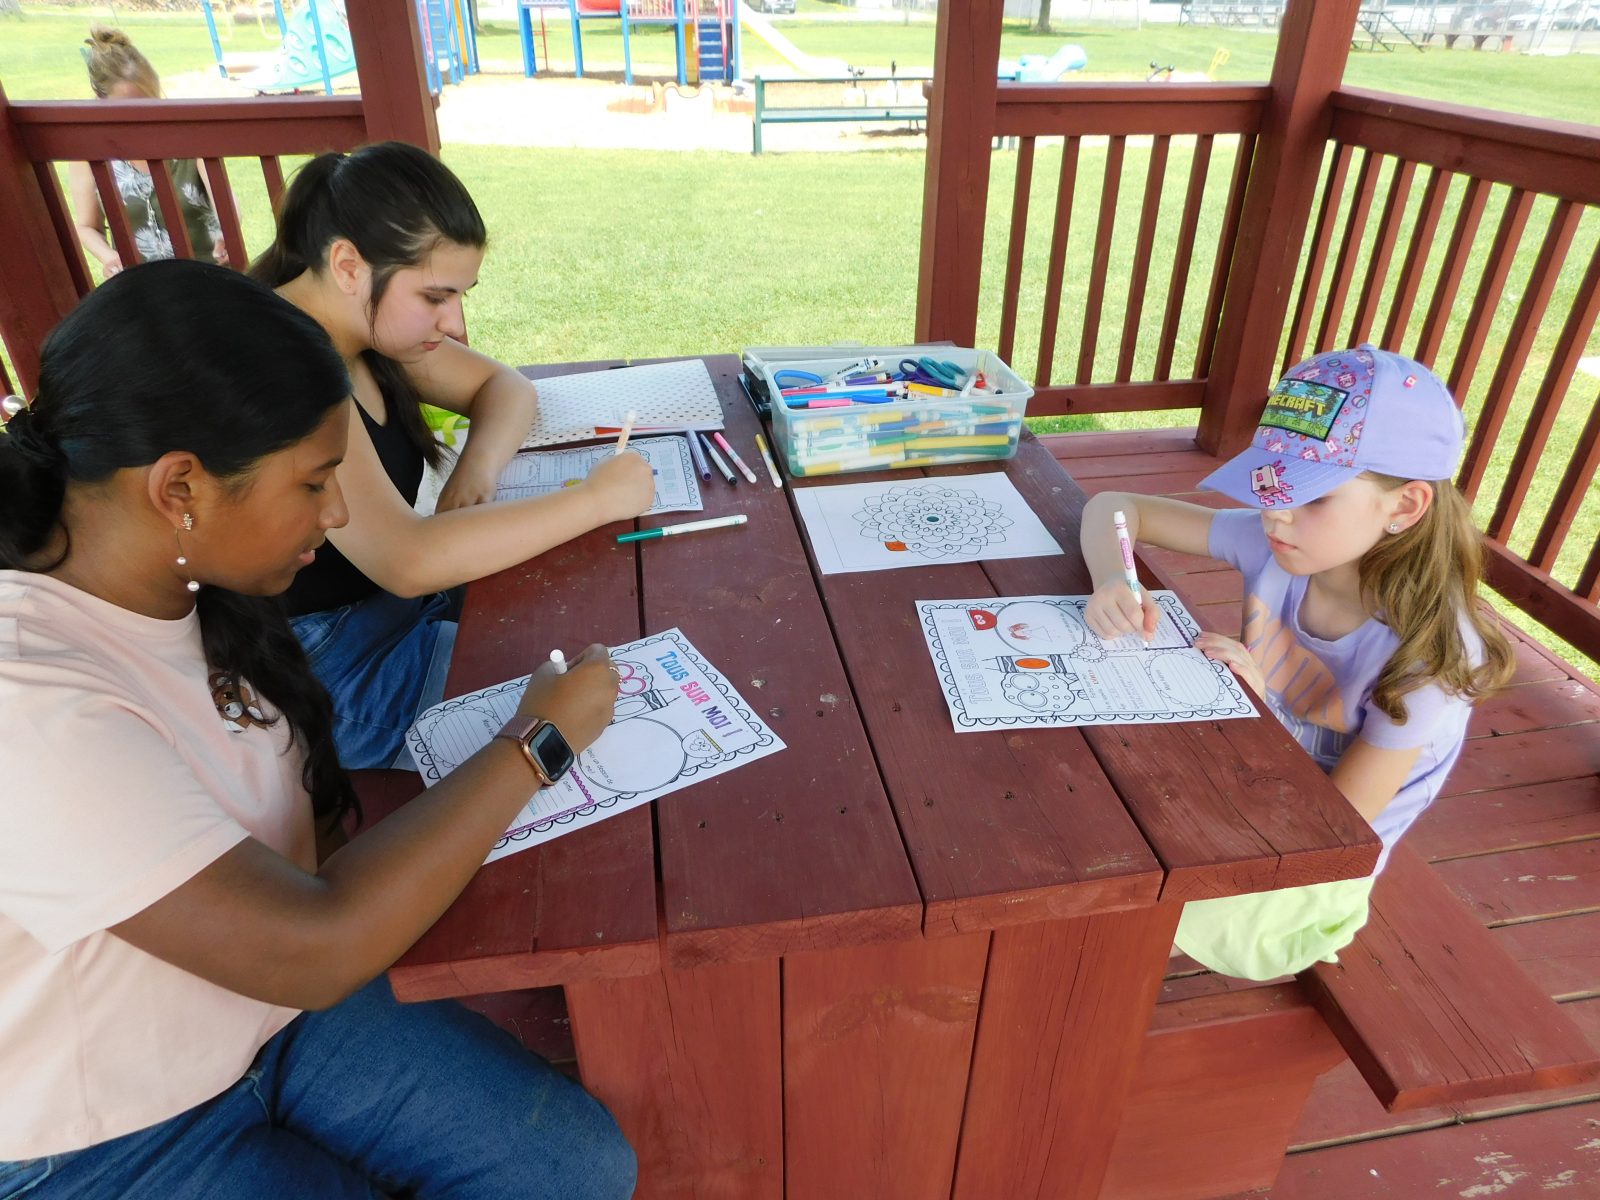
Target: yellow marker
(854,463)
(924,389)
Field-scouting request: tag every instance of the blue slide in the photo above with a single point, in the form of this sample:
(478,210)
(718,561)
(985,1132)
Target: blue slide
(300,64)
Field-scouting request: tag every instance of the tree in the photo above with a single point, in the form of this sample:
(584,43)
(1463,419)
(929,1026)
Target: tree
(1042,25)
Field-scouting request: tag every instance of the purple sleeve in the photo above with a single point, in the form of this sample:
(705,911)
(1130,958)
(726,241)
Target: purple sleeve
(1430,710)
(1237,539)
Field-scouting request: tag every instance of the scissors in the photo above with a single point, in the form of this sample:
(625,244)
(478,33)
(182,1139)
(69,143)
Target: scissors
(791,378)
(932,372)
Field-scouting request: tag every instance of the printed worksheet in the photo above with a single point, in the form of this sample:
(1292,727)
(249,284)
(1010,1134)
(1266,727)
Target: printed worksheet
(880,526)
(1024,661)
(677,722)
(670,395)
(542,471)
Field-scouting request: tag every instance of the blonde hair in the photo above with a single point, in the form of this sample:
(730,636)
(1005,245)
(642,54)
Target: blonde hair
(1420,582)
(112,59)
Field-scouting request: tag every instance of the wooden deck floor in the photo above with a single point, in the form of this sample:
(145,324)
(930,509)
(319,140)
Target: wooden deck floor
(1516,834)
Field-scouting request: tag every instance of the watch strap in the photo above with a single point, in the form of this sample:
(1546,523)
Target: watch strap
(520,729)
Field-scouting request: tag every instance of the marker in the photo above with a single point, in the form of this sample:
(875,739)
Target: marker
(558,660)
(645,535)
(1120,520)
(700,463)
(627,428)
(772,467)
(733,457)
(717,459)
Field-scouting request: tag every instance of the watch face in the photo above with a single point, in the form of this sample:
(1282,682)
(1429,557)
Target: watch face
(552,751)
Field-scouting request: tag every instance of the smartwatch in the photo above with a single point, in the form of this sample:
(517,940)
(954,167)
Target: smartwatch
(543,746)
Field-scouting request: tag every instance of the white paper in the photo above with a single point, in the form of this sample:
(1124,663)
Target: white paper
(1011,662)
(543,471)
(677,722)
(879,526)
(672,395)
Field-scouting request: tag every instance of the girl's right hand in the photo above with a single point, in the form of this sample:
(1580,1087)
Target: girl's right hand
(1114,611)
(110,265)
(579,703)
(623,486)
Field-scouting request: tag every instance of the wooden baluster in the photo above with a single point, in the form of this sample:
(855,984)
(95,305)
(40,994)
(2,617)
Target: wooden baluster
(1513,220)
(1183,254)
(1468,217)
(171,209)
(272,172)
(1321,241)
(1569,497)
(1519,342)
(1102,258)
(1394,209)
(116,217)
(1141,255)
(1244,156)
(1344,270)
(1416,258)
(1019,232)
(1552,390)
(66,231)
(227,213)
(1065,190)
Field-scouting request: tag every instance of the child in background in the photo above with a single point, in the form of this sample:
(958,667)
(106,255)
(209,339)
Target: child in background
(117,71)
(1363,630)
(381,247)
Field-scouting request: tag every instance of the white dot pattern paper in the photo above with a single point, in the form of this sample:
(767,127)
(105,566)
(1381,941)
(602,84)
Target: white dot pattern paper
(671,395)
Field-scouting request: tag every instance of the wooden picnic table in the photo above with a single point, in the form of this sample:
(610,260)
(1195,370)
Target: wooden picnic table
(891,960)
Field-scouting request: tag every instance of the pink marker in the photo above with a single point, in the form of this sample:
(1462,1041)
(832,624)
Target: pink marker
(733,456)
(1120,520)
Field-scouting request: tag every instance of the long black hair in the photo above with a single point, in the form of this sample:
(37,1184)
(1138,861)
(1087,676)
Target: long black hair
(181,355)
(394,203)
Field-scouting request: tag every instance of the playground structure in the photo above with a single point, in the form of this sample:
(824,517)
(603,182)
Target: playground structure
(706,33)
(315,46)
(1039,68)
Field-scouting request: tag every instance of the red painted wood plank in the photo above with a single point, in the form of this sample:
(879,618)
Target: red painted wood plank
(1349,249)
(1183,254)
(1243,164)
(1109,442)
(798,850)
(1319,256)
(1150,212)
(1131,466)
(1415,260)
(87,130)
(1519,885)
(171,209)
(1409,1001)
(583,904)
(1569,497)
(1538,756)
(877,1041)
(1491,285)
(116,216)
(1060,1034)
(1561,956)
(690,1064)
(1020,195)
(227,213)
(1067,398)
(1128,108)
(61,222)
(1551,704)
(1377,274)
(1469,214)
(1101,260)
(1055,273)
(536,1017)
(1532,1156)
(1508,819)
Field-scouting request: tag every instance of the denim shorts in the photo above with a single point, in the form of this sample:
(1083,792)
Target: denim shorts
(383,661)
(370,1098)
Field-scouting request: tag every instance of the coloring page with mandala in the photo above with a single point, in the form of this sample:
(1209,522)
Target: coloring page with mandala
(1009,662)
(677,721)
(880,526)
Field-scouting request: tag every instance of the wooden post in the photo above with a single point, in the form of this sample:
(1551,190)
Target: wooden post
(961,116)
(1313,45)
(38,289)
(394,89)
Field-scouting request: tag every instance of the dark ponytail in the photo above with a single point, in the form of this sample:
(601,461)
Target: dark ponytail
(394,203)
(181,355)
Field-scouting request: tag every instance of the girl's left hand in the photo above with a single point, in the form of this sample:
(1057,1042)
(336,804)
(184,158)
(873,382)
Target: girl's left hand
(465,487)
(1233,655)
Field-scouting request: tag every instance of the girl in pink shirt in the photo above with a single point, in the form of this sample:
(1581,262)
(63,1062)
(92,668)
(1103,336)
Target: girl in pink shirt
(191,992)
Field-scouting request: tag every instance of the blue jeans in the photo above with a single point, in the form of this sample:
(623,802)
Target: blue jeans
(371,1098)
(383,661)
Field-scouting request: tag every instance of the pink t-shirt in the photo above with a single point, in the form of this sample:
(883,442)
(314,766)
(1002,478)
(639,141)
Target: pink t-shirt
(121,781)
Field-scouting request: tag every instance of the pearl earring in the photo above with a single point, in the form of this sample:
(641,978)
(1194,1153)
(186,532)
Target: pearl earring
(183,561)
(1394,526)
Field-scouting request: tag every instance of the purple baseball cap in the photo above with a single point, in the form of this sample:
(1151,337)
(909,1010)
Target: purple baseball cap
(1339,414)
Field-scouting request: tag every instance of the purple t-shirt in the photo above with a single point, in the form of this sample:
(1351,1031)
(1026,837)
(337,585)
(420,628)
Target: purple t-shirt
(1321,690)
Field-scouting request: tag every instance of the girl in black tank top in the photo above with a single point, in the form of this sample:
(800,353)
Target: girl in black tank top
(381,247)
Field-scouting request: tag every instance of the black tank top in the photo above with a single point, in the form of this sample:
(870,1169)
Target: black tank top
(333,581)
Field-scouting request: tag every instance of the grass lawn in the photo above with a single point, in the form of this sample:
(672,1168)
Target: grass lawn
(695,252)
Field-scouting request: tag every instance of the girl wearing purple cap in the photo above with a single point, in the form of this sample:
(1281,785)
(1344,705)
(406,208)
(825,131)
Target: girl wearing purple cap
(1363,629)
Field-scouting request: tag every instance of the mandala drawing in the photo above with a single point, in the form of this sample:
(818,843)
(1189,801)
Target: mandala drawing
(933,521)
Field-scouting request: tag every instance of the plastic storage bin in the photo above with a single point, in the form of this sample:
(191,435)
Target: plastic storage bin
(914,432)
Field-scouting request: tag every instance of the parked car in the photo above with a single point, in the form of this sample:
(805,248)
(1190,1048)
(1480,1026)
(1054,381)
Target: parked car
(1578,15)
(772,6)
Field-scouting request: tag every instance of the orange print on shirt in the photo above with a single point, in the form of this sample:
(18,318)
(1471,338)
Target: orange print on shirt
(1299,678)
